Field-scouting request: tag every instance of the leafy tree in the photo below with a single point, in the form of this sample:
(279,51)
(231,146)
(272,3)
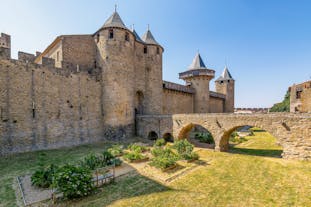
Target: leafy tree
(283,106)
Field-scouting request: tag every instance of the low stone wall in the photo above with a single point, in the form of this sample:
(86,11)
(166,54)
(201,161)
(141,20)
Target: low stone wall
(292,131)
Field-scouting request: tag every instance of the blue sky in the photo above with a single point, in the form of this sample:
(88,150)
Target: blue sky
(266,43)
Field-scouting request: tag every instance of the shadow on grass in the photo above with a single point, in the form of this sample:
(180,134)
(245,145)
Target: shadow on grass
(257,152)
(127,186)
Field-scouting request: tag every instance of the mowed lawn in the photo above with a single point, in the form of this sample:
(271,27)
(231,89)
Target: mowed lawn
(238,178)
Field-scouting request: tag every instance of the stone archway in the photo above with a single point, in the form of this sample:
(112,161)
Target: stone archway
(195,133)
(168,137)
(250,140)
(153,135)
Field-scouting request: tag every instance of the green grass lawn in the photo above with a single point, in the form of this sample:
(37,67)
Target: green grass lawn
(228,179)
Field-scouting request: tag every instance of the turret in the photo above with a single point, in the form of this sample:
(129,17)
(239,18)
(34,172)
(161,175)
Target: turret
(115,49)
(5,46)
(152,53)
(198,77)
(225,85)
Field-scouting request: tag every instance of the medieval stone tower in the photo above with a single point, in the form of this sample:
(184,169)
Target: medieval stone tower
(225,85)
(198,77)
(131,72)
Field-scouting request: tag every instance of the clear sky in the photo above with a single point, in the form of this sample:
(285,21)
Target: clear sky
(266,43)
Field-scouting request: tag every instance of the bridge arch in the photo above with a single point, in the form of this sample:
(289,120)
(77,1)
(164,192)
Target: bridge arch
(223,143)
(184,133)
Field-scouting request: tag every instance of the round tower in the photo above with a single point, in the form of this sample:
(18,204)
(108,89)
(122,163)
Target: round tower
(115,56)
(198,77)
(152,55)
(225,85)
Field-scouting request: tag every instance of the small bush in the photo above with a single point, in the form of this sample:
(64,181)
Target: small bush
(133,156)
(204,137)
(163,152)
(183,146)
(117,161)
(185,150)
(91,161)
(44,177)
(237,140)
(73,182)
(116,150)
(191,156)
(106,158)
(163,162)
(160,142)
(137,148)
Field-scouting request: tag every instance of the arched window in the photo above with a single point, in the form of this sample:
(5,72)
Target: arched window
(111,34)
(127,36)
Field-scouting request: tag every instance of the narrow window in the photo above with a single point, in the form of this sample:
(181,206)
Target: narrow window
(111,34)
(97,39)
(298,94)
(158,50)
(127,36)
(33,110)
(145,50)
(228,81)
(57,56)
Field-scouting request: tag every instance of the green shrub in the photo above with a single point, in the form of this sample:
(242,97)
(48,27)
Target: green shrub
(73,182)
(160,142)
(106,158)
(134,155)
(183,146)
(163,162)
(185,150)
(91,161)
(116,150)
(137,148)
(204,137)
(117,161)
(163,152)
(237,139)
(44,177)
(191,156)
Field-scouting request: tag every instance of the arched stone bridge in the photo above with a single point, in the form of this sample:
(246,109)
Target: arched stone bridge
(293,131)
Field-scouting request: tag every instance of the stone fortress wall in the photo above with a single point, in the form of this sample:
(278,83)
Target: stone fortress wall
(87,88)
(300,97)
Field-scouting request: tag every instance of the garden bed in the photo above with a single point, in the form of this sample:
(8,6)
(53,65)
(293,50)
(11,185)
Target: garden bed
(35,195)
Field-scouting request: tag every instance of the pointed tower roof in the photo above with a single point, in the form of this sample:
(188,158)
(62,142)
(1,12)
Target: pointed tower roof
(197,63)
(226,75)
(114,21)
(149,39)
(137,36)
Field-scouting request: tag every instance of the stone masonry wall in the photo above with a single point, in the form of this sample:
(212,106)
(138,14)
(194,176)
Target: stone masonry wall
(41,109)
(176,102)
(216,105)
(292,131)
(306,100)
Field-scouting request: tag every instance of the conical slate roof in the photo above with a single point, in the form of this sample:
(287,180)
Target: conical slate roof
(226,75)
(137,36)
(148,38)
(114,21)
(197,63)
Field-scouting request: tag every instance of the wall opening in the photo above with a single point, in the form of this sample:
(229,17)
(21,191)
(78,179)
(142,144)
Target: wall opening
(250,140)
(111,34)
(168,137)
(139,102)
(153,135)
(198,135)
